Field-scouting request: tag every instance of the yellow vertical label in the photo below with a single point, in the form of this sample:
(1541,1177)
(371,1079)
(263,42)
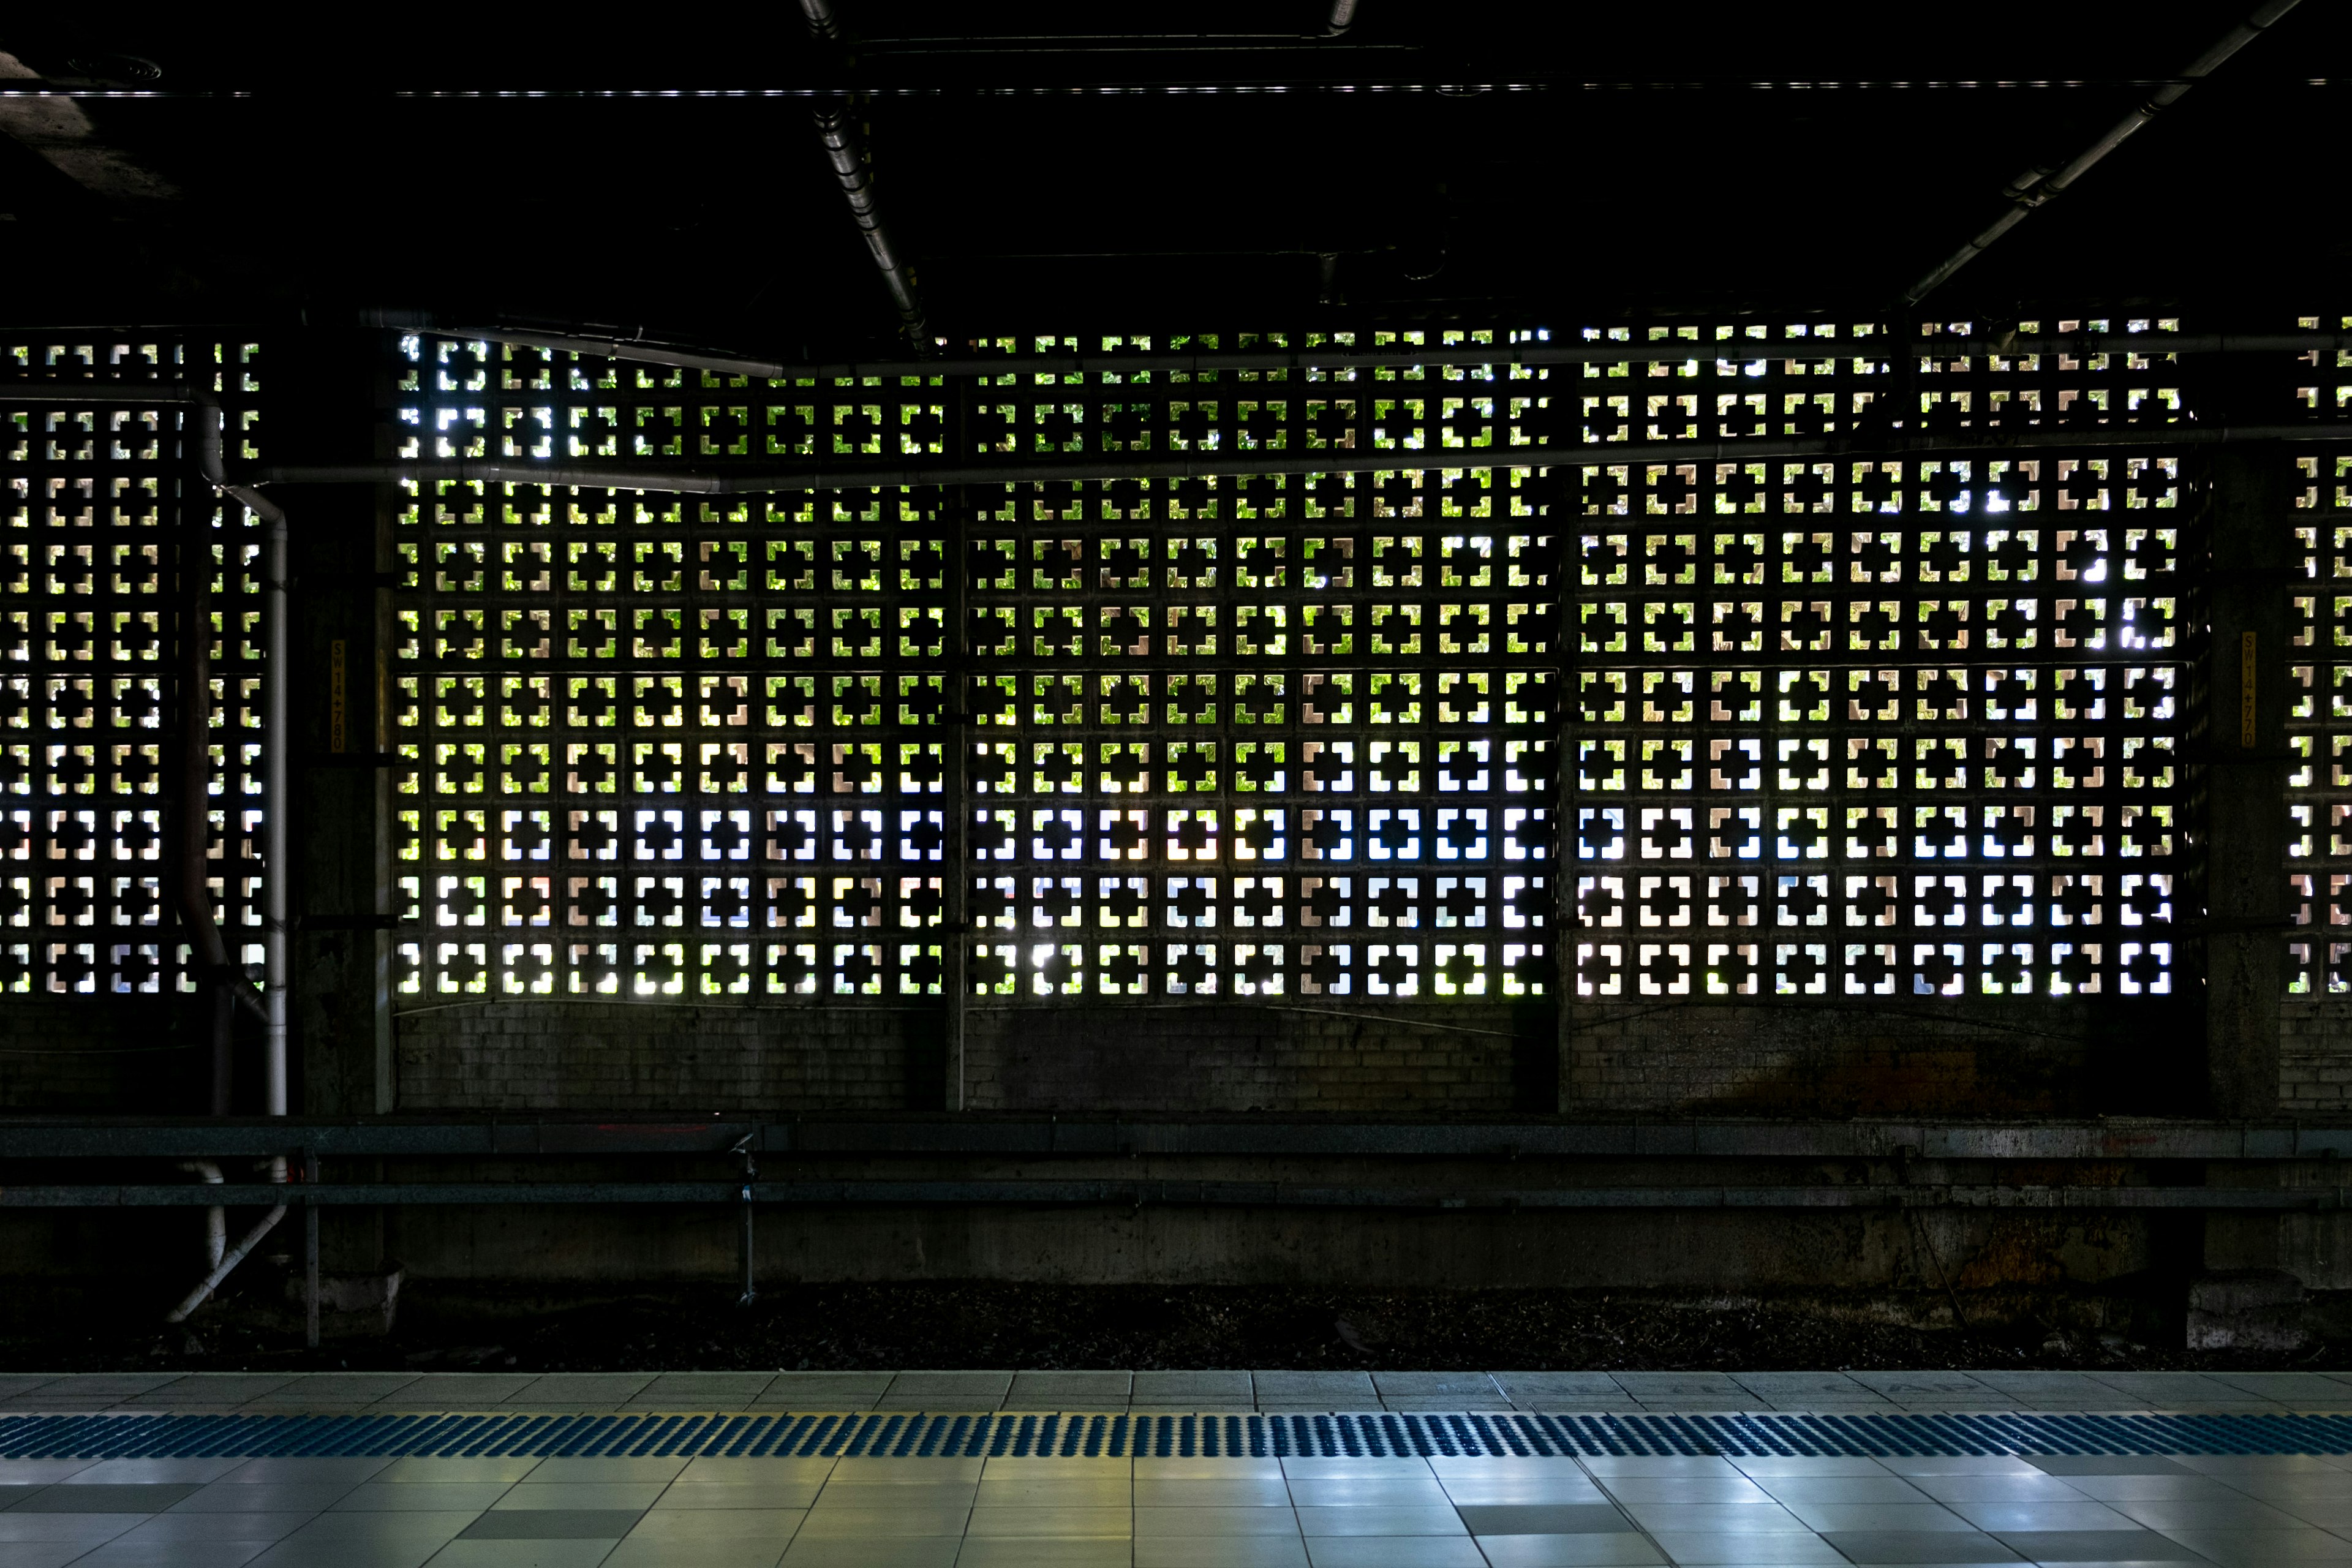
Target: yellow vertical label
(337,706)
(2246,690)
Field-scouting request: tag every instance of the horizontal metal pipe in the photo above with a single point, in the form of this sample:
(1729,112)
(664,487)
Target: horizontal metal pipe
(1280,1195)
(1736,351)
(2087,345)
(70,1138)
(1274,665)
(78,393)
(95,394)
(896,477)
(1336,357)
(1993,441)
(1125,664)
(1135,363)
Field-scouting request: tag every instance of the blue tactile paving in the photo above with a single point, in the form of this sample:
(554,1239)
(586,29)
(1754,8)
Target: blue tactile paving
(910,1434)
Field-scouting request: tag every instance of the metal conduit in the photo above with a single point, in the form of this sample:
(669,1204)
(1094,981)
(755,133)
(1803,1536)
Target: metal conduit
(216,1216)
(1740,350)
(851,166)
(2083,345)
(2090,1197)
(1205,464)
(207,950)
(2036,187)
(226,1263)
(1023,1137)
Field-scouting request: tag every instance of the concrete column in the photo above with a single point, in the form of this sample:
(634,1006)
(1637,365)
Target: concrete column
(327,393)
(2242,758)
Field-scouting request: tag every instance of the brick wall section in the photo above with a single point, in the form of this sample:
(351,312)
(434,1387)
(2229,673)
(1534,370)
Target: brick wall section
(2004,1058)
(1243,1058)
(620,1055)
(2316,1055)
(654,1056)
(128,1054)
(2013,1057)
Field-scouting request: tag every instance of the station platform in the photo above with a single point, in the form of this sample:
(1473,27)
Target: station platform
(962,1470)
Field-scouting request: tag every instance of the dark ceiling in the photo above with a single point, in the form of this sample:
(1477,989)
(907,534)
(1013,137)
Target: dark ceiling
(1560,163)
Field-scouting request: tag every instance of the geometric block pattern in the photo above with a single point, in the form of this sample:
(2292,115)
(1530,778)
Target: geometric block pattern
(1898,727)
(91,552)
(2319,713)
(1841,728)
(1257,736)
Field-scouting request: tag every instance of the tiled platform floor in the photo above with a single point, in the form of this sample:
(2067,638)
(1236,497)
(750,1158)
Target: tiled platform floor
(2235,1512)
(1568,1392)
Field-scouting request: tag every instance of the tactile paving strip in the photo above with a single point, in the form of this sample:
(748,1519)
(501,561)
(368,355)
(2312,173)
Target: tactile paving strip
(914,1434)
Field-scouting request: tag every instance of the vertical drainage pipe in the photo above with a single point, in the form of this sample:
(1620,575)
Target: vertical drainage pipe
(215,1217)
(207,950)
(221,1271)
(276,968)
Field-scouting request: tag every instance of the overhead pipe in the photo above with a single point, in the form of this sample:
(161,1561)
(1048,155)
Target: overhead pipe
(1210,463)
(2083,345)
(1329,356)
(838,132)
(2038,187)
(2310,1196)
(911,1136)
(1670,351)
(277,970)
